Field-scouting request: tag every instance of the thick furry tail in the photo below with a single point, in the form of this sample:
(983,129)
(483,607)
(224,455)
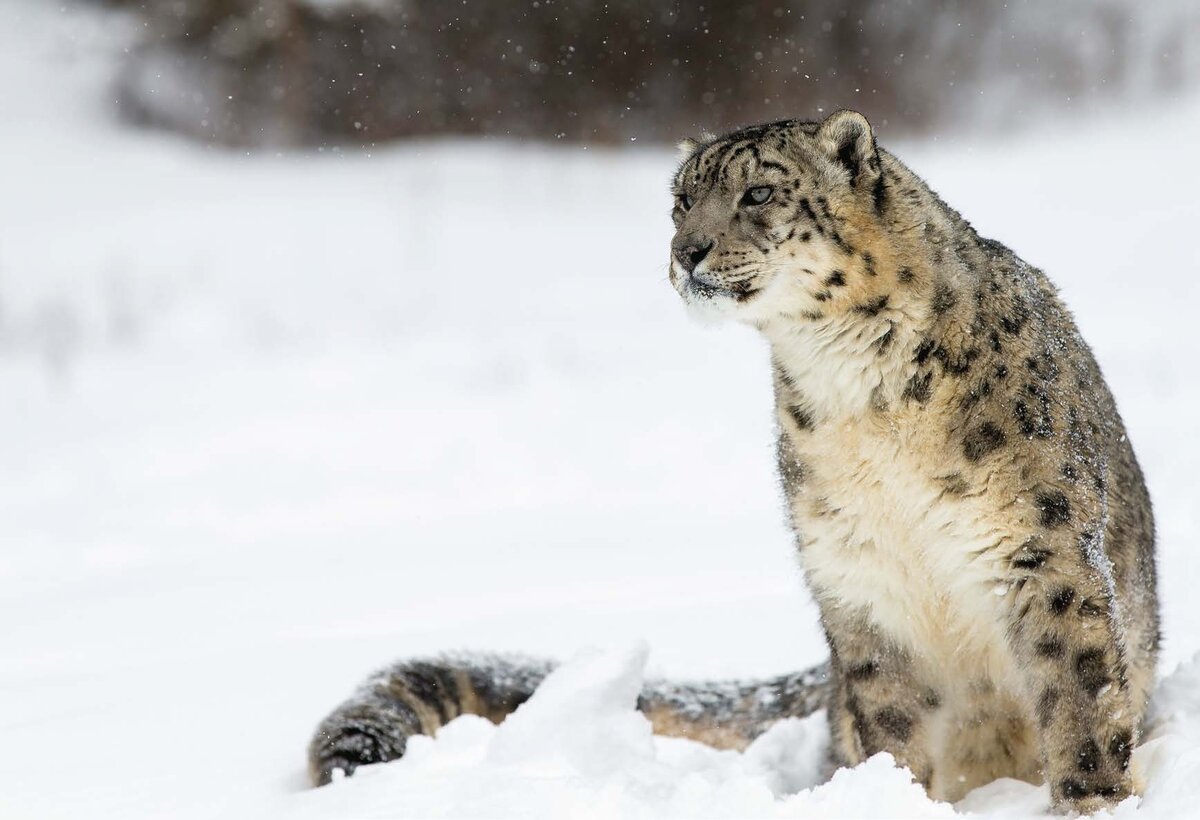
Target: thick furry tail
(730,714)
(418,697)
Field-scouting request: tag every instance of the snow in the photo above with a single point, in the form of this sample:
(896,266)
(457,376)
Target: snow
(578,748)
(274,421)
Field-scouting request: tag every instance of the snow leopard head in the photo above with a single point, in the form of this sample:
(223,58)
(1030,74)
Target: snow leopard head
(780,219)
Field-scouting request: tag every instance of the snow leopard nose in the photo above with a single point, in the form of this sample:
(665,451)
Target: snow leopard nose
(690,252)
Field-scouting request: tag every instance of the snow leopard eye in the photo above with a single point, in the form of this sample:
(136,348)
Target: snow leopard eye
(757,196)
(684,201)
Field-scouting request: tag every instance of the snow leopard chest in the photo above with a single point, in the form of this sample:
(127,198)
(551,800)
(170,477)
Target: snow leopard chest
(885,530)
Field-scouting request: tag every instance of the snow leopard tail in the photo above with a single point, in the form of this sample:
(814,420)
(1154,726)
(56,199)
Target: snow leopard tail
(418,697)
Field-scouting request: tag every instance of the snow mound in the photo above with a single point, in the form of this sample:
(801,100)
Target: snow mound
(1167,764)
(580,749)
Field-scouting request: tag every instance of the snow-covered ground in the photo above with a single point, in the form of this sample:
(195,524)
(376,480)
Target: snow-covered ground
(274,421)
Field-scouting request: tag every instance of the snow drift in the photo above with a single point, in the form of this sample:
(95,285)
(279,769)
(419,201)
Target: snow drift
(579,748)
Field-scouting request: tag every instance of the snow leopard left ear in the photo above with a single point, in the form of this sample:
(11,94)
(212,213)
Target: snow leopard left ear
(847,139)
(685,148)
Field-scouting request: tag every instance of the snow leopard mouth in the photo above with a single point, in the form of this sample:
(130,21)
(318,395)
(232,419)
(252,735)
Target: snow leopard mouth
(703,286)
(695,286)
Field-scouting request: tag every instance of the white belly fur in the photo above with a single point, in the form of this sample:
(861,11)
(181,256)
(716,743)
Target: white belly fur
(924,566)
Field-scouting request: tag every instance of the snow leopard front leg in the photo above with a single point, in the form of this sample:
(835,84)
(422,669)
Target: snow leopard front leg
(1066,634)
(880,701)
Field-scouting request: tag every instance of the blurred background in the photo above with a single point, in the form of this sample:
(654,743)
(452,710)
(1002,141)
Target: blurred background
(368,71)
(333,331)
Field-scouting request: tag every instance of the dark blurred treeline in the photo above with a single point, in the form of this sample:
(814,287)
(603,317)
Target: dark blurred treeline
(366,71)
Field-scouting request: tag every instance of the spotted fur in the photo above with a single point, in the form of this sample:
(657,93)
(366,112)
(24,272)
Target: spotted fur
(968,510)
(972,520)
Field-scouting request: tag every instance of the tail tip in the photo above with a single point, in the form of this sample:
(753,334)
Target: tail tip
(334,756)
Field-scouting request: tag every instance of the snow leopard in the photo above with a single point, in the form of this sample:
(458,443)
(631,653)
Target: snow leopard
(968,512)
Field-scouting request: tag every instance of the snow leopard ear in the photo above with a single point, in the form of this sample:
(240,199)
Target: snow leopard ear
(685,148)
(847,139)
